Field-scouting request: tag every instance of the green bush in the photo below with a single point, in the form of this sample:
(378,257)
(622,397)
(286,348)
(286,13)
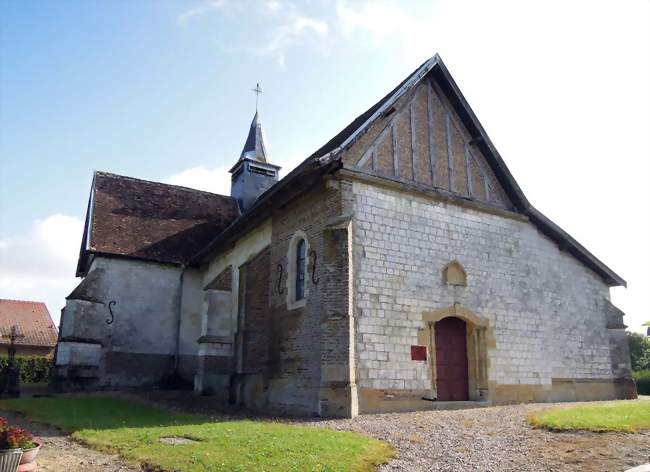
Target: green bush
(639,351)
(32,369)
(642,378)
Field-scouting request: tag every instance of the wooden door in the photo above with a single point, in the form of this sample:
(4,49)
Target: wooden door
(451,359)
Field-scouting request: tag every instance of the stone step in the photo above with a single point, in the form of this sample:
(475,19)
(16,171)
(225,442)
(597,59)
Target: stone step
(459,405)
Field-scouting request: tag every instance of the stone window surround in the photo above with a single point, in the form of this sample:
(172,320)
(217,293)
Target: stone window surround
(453,273)
(292,303)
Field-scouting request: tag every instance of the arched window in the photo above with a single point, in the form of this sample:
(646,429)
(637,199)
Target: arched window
(300,270)
(296,280)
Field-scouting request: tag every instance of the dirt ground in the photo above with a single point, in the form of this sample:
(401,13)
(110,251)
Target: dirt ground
(487,439)
(60,453)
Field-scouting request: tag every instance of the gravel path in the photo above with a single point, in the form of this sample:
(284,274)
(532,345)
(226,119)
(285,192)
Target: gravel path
(494,439)
(484,439)
(487,439)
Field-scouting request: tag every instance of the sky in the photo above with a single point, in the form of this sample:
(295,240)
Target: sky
(161,90)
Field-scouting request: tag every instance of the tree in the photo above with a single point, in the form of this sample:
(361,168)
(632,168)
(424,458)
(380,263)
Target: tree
(639,351)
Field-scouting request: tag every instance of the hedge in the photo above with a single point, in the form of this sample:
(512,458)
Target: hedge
(642,378)
(32,369)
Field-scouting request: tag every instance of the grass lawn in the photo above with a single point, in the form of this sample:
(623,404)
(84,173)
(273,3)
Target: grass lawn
(624,415)
(134,430)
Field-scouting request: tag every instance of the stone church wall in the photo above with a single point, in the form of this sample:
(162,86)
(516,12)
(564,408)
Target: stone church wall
(190,329)
(546,312)
(257,328)
(287,356)
(136,349)
(244,249)
(310,364)
(220,298)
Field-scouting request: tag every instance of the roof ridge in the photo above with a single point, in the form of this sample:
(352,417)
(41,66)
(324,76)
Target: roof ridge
(22,301)
(163,184)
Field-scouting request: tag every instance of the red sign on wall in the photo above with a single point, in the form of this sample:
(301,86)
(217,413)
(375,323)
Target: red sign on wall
(418,353)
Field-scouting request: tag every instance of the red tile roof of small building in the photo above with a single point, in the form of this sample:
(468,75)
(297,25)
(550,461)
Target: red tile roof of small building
(32,321)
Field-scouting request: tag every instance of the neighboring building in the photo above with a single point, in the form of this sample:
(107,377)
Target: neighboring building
(36,333)
(399,264)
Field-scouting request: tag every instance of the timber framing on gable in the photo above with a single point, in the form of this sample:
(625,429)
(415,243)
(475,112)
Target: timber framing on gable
(435,70)
(478,164)
(422,141)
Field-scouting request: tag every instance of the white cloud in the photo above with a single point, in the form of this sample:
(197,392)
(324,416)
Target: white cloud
(272,6)
(292,26)
(215,180)
(371,23)
(302,23)
(204,7)
(288,34)
(379,18)
(40,265)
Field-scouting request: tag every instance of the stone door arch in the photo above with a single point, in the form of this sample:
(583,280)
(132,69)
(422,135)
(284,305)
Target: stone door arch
(478,336)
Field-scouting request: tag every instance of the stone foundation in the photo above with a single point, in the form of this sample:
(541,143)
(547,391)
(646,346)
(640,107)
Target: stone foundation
(562,390)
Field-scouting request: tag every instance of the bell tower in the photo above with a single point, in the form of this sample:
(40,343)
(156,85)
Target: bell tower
(252,175)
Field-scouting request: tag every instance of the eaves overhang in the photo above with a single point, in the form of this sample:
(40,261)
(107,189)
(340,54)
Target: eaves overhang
(299,180)
(432,69)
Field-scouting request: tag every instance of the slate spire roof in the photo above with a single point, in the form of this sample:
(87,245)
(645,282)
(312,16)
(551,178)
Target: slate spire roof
(254,147)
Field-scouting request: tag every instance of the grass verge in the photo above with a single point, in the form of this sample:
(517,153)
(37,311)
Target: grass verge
(134,430)
(624,415)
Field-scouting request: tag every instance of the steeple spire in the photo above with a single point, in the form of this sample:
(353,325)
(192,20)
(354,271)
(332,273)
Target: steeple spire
(254,147)
(252,175)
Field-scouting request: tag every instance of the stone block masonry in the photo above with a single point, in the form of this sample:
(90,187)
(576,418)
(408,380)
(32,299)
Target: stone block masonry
(310,367)
(546,311)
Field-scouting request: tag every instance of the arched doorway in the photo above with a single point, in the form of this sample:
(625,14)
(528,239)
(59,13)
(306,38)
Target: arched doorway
(451,359)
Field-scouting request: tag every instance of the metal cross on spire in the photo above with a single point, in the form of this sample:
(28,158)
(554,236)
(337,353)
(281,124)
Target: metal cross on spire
(257,90)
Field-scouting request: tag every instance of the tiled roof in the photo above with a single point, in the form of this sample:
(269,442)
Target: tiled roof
(152,220)
(32,320)
(119,235)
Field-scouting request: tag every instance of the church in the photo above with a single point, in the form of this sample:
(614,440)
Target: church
(399,267)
